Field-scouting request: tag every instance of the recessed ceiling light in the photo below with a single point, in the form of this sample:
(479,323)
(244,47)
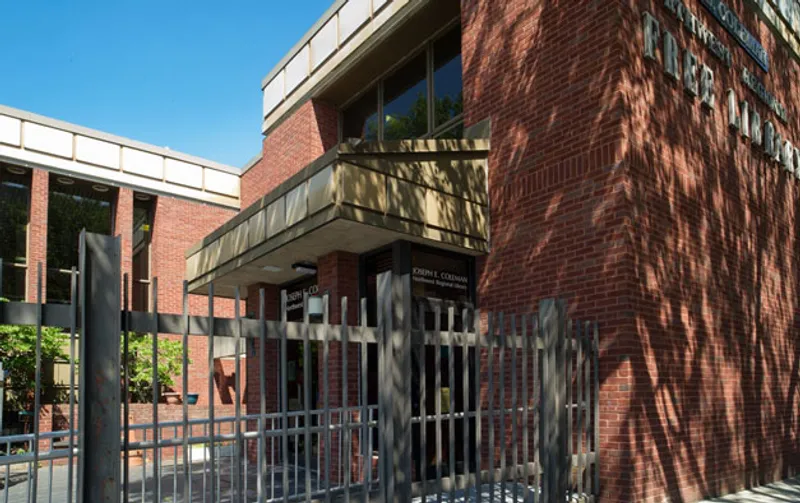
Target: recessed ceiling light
(63,180)
(305,268)
(14,170)
(271,268)
(99,188)
(142,197)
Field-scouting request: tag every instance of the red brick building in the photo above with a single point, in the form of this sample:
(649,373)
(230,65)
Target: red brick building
(640,163)
(57,178)
(635,158)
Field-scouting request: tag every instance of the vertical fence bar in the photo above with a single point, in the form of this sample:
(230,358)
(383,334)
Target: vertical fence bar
(284,401)
(385,366)
(451,385)
(262,388)
(125,380)
(212,447)
(465,395)
(326,384)
(307,395)
(367,456)
(156,433)
(437,373)
(237,393)
(587,483)
(596,427)
(99,464)
(423,408)
(537,408)
(502,378)
(545,414)
(569,428)
(477,385)
(514,409)
(187,480)
(38,383)
(73,322)
(581,406)
(490,409)
(345,405)
(526,346)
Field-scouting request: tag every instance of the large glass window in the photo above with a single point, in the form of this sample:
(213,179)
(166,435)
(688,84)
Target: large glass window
(142,232)
(448,85)
(15,190)
(73,205)
(361,120)
(405,109)
(404,105)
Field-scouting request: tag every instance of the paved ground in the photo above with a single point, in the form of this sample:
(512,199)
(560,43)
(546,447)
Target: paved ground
(778,492)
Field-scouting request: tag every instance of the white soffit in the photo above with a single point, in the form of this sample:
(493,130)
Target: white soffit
(183,173)
(222,183)
(354,14)
(323,44)
(297,70)
(98,152)
(10,130)
(142,163)
(48,140)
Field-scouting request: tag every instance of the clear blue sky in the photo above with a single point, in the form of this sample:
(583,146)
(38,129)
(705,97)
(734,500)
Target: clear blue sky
(177,73)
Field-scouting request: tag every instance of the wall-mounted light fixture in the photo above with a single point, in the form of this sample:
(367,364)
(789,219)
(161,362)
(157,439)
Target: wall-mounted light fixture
(315,306)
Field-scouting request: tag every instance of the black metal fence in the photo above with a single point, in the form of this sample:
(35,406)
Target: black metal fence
(470,406)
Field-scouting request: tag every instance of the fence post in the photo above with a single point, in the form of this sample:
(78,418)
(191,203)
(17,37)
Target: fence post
(99,389)
(553,402)
(401,372)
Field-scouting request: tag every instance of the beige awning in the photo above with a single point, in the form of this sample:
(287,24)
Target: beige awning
(354,199)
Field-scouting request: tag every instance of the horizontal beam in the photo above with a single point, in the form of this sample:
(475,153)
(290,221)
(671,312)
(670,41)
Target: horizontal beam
(59,315)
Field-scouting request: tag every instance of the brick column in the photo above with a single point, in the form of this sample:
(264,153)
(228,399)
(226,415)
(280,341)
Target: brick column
(123,227)
(37,233)
(253,367)
(337,275)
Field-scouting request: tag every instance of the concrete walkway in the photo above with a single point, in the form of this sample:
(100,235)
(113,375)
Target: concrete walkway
(778,492)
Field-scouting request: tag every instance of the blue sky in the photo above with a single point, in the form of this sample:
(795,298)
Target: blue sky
(177,73)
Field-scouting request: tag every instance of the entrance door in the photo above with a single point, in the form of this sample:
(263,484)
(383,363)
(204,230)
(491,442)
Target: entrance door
(438,278)
(450,391)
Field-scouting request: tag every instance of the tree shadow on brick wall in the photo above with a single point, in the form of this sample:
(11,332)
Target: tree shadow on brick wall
(714,237)
(612,188)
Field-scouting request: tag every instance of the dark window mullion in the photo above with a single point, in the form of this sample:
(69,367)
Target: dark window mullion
(431,89)
(380,109)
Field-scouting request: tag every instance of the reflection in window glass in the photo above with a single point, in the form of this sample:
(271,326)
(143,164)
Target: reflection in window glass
(360,120)
(405,108)
(71,208)
(447,78)
(14,204)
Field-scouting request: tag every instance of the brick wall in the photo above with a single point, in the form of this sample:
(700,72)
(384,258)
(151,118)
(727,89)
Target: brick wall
(713,402)
(37,234)
(305,135)
(177,225)
(614,189)
(547,74)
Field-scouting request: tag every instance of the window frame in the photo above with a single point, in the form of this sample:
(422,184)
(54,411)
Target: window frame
(15,264)
(378,84)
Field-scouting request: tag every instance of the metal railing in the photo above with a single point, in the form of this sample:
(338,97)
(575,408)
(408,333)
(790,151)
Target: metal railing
(496,407)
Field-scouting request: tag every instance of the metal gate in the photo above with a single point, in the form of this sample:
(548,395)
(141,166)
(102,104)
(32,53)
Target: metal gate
(484,407)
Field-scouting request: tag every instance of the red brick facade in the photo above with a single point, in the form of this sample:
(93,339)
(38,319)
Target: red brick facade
(307,134)
(613,188)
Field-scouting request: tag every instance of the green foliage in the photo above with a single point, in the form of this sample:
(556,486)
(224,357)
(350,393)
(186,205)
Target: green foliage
(140,365)
(18,354)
